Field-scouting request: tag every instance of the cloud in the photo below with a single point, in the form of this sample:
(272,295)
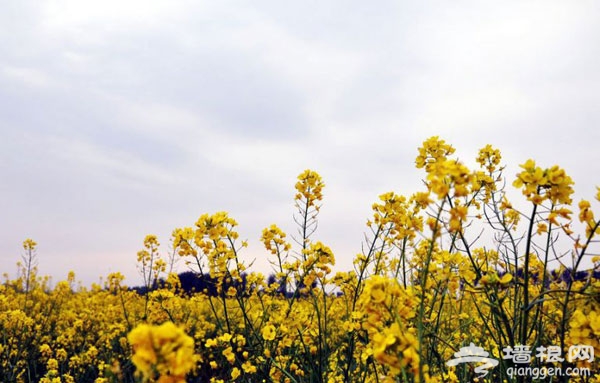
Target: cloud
(126,167)
(124,118)
(30,77)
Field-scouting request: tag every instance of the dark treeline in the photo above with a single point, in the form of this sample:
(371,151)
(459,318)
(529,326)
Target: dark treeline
(192,282)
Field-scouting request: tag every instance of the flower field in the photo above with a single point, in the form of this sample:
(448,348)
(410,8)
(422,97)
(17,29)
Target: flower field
(453,284)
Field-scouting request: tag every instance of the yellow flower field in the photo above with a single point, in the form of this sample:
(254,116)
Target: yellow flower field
(453,285)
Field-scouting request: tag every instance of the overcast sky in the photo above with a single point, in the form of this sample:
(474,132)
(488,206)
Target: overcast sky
(121,118)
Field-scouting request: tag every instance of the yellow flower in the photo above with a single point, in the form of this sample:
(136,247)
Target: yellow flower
(458,215)
(540,184)
(489,158)
(164,349)
(594,319)
(377,295)
(248,367)
(29,244)
(210,343)
(542,228)
(52,364)
(235,373)
(310,188)
(506,279)
(433,150)
(422,199)
(585,212)
(229,355)
(268,332)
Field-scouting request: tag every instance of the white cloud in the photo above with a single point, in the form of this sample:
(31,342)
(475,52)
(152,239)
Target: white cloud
(166,122)
(80,14)
(119,164)
(30,77)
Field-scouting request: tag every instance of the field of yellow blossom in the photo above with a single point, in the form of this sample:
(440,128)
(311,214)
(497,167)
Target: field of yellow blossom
(453,284)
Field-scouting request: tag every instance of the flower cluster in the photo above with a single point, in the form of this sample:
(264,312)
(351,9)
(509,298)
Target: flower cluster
(162,352)
(309,188)
(539,184)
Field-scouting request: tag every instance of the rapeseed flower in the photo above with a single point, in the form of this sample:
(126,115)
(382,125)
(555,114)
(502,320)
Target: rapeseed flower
(162,351)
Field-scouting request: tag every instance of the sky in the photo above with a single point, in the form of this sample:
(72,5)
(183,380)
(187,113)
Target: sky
(125,118)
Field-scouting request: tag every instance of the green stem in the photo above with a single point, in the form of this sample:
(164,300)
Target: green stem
(525,306)
(423,285)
